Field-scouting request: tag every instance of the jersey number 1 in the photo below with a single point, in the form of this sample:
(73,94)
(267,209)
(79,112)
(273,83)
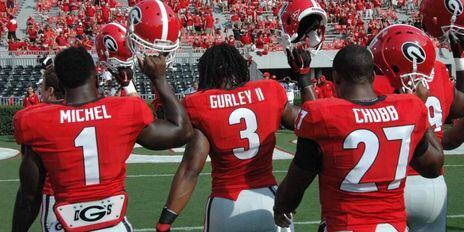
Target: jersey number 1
(351,183)
(87,139)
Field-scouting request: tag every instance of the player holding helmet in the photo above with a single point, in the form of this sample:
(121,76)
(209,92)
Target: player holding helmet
(235,122)
(114,54)
(153,29)
(406,56)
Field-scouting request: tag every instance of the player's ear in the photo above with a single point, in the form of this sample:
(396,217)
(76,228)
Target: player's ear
(51,91)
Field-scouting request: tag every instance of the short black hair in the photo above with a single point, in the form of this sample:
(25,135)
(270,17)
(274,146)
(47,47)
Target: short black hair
(74,66)
(222,63)
(51,80)
(354,64)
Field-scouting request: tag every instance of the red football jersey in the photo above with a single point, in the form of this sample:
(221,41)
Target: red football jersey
(365,152)
(84,148)
(240,125)
(441,97)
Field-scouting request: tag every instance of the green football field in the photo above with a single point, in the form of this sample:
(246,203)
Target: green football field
(148,186)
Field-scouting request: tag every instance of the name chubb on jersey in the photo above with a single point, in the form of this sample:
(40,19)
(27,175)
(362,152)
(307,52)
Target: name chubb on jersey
(383,114)
(235,99)
(84,115)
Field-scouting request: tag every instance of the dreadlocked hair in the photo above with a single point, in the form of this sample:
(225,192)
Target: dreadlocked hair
(222,64)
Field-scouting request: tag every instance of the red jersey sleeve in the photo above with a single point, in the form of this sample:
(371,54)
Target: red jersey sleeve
(309,123)
(281,94)
(144,113)
(22,130)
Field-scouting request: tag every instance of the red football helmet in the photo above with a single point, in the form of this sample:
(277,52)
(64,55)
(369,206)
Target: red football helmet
(111,47)
(441,16)
(301,19)
(405,54)
(153,28)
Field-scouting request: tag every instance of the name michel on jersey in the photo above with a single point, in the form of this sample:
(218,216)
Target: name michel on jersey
(235,99)
(382,114)
(84,115)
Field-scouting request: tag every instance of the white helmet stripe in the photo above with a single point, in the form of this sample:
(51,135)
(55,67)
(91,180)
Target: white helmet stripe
(120,26)
(164,19)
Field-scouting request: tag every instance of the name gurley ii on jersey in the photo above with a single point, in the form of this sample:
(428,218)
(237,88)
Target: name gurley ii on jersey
(235,99)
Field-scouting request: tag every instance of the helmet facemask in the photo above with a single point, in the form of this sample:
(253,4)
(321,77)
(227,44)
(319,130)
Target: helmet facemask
(410,81)
(452,28)
(309,27)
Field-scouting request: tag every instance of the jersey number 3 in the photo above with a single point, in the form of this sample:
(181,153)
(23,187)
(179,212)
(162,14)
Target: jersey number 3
(249,133)
(87,139)
(351,183)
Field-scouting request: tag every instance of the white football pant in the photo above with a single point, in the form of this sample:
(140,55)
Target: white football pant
(251,212)
(426,204)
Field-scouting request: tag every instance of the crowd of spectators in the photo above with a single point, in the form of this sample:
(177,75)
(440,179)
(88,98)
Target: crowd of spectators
(75,24)
(248,24)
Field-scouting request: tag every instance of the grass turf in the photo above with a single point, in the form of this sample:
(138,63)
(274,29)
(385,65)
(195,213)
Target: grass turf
(148,193)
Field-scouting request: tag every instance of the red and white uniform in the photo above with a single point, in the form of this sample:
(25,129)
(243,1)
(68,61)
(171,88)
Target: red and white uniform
(362,175)
(84,147)
(240,125)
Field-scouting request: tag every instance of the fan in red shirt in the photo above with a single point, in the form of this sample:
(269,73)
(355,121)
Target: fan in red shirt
(105,13)
(360,146)
(12,26)
(31,98)
(325,88)
(94,137)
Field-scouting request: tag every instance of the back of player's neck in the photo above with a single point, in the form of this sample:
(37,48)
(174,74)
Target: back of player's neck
(80,95)
(359,93)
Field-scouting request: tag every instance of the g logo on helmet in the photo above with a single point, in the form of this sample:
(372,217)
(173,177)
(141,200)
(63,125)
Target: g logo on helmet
(454,6)
(110,43)
(135,15)
(413,51)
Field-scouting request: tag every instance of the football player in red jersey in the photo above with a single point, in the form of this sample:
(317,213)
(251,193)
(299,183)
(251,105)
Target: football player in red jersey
(235,121)
(51,92)
(360,145)
(406,56)
(83,144)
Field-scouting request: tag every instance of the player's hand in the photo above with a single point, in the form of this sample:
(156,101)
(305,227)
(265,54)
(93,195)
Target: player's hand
(123,76)
(457,44)
(163,227)
(282,219)
(299,61)
(422,92)
(153,66)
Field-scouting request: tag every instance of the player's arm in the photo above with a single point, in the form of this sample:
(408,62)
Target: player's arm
(124,76)
(428,157)
(457,48)
(185,180)
(457,107)
(299,61)
(303,169)
(453,137)
(29,196)
(175,129)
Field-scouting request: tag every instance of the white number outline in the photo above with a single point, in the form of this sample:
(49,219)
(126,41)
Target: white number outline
(437,120)
(371,143)
(251,126)
(87,140)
